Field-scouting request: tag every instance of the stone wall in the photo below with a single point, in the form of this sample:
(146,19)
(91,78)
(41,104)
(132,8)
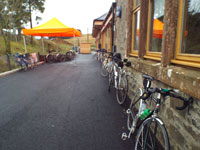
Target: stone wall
(183,127)
(121,29)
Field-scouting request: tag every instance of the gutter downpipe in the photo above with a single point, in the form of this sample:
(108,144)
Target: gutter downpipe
(113,23)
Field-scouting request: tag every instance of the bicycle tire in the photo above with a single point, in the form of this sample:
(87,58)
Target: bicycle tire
(110,80)
(122,89)
(50,58)
(151,142)
(132,111)
(104,71)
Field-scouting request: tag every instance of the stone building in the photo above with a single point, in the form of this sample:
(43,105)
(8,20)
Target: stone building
(161,38)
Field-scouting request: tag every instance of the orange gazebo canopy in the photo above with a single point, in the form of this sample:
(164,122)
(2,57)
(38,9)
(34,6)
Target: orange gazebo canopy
(53,28)
(158,29)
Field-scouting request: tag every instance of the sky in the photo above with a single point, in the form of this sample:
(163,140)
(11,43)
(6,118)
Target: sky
(78,14)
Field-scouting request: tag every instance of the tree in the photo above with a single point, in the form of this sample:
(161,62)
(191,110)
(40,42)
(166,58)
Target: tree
(6,16)
(21,16)
(35,5)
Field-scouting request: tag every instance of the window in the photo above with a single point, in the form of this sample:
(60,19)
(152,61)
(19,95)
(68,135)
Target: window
(188,31)
(136,30)
(155,27)
(135,26)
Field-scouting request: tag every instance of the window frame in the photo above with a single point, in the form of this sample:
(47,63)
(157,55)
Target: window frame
(149,54)
(181,58)
(136,8)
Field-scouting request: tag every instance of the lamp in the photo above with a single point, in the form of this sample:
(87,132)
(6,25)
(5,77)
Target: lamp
(119,11)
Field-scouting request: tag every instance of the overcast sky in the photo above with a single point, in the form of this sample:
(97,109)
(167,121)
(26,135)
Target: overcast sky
(74,13)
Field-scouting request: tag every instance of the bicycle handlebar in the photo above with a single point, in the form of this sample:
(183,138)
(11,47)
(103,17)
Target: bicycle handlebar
(172,93)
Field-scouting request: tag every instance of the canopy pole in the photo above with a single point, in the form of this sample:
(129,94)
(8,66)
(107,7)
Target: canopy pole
(42,44)
(74,39)
(25,44)
(74,49)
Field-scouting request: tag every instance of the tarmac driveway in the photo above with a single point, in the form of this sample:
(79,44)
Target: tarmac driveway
(61,106)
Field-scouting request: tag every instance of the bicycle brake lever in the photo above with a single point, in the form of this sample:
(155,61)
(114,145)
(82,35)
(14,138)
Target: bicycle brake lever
(191,103)
(187,103)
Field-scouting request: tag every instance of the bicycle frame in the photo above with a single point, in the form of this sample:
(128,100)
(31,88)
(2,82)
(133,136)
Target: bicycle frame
(117,75)
(153,113)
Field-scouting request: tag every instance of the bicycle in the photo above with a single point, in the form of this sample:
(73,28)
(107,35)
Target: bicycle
(106,64)
(102,54)
(25,61)
(97,54)
(118,79)
(150,125)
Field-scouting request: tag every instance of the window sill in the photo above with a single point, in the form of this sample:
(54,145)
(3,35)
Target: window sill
(186,63)
(152,57)
(134,54)
(185,79)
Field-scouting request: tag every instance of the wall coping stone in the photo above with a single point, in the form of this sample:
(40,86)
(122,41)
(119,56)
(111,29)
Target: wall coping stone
(184,79)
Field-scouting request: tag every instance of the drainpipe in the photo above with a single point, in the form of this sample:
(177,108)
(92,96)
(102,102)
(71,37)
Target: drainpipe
(113,23)
(99,46)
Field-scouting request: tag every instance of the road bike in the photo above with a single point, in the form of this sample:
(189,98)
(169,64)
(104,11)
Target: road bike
(118,79)
(106,65)
(151,133)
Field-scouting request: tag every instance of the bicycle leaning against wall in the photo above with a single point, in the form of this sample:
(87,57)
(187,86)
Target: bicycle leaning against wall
(106,65)
(118,78)
(151,133)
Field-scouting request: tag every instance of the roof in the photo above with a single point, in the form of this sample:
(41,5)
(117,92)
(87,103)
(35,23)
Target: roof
(97,24)
(101,18)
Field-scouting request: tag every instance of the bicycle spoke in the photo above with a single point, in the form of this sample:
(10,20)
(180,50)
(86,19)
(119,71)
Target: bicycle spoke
(155,131)
(151,141)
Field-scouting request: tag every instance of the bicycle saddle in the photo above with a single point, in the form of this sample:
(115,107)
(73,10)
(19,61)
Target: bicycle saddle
(120,64)
(145,76)
(128,64)
(125,60)
(147,81)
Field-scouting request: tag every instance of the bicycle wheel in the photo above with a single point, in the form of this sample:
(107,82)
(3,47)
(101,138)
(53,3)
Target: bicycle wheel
(104,71)
(132,111)
(122,90)
(152,135)
(50,58)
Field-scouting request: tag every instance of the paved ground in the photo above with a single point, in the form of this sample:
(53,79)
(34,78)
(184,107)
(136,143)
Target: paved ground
(62,106)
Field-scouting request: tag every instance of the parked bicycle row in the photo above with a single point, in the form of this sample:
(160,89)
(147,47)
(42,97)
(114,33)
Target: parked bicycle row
(25,61)
(56,56)
(142,113)
(28,61)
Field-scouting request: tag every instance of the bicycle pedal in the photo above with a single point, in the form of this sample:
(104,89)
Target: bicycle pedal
(121,89)
(124,136)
